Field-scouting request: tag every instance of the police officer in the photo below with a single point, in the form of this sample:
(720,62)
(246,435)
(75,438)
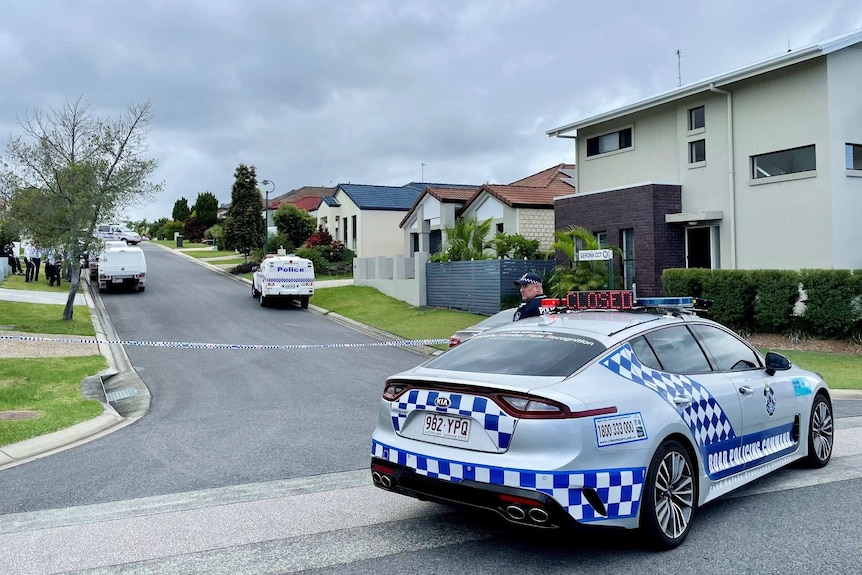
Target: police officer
(531,296)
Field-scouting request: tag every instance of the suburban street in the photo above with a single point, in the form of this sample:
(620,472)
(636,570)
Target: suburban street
(256,461)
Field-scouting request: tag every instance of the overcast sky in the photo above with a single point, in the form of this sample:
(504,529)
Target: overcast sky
(321,92)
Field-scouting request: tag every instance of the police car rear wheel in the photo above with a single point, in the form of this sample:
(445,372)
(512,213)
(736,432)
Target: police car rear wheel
(670,496)
(263,302)
(821,432)
(254,293)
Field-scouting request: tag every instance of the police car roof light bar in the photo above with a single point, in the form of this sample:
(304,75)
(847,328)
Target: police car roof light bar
(623,300)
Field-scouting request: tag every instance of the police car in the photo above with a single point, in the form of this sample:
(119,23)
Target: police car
(284,276)
(617,412)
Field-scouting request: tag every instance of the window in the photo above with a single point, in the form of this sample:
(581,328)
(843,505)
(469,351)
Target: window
(696,118)
(728,351)
(697,151)
(784,162)
(499,228)
(677,350)
(853,156)
(609,142)
(540,353)
(602,238)
(353,232)
(628,243)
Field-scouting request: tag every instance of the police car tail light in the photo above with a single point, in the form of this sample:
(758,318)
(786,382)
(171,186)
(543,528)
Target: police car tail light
(531,408)
(392,391)
(453,341)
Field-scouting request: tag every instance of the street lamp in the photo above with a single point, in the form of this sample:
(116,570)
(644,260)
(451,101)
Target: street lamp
(266,216)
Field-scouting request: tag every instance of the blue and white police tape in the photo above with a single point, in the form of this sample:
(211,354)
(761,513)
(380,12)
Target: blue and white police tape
(199,345)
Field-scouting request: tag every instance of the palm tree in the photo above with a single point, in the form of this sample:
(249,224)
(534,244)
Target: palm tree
(580,275)
(466,240)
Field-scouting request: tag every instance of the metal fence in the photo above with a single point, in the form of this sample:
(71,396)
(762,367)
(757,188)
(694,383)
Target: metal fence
(478,286)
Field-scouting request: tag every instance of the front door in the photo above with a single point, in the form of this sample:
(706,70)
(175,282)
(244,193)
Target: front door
(699,247)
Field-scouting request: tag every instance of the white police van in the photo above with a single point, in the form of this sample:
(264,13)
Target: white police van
(122,265)
(115,232)
(283,277)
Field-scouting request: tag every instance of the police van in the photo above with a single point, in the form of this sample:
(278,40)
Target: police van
(122,265)
(115,232)
(283,277)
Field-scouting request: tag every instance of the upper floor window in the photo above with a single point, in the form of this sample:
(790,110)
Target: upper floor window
(602,238)
(697,151)
(853,156)
(612,142)
(784,162)
(696,118)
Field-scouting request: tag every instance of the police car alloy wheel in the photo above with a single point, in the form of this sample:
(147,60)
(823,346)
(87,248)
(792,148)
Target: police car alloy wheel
(670,496)
(821,433)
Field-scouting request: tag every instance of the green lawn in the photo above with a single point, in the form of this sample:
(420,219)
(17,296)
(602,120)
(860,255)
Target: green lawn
(210,254)
(45,318)
(17,282)
(840,371)
(48,388)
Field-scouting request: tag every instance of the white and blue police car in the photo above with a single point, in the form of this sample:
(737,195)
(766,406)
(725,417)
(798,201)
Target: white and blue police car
(618,412)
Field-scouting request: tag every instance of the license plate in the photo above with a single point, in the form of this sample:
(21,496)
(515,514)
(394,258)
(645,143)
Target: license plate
(440,425)
(117,280)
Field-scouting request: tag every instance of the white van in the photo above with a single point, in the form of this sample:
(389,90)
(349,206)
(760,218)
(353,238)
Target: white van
(124,265)
(285,277)
(117,233)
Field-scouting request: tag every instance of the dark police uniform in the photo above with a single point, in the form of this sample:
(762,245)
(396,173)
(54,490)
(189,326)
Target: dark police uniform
(533,306)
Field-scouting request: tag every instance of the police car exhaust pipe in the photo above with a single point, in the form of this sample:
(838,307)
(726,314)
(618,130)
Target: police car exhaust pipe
(375,477)
(515,512)
(386,481)
(538,515)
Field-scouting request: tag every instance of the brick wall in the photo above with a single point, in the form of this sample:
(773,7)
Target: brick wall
(657,245)
(535,224)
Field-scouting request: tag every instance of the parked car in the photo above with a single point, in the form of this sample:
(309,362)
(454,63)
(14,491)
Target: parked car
(498,319)
(631,419)
(121,265)
(283,277)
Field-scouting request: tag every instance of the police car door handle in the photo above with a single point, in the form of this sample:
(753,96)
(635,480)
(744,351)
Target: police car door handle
(746,390)
(683,400)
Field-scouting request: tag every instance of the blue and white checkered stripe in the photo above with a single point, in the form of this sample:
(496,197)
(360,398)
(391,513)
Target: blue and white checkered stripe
(704,416)
(619,489)
(497,423)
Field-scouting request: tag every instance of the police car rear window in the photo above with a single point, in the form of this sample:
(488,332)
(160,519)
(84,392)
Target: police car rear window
(540,353)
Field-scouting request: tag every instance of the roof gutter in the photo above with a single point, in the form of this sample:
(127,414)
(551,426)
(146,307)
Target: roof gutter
(731,173)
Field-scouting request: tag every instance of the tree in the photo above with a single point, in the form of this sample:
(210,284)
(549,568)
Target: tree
(296,224)
(181,210)
(244,226)
(206,209)
(580,275)
(70,169)
(466,239)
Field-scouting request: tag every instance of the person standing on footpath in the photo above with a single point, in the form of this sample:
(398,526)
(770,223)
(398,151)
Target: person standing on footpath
(531,296)
(29,254)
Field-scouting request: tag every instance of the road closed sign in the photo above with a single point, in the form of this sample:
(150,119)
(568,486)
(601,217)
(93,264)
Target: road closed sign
(595,255)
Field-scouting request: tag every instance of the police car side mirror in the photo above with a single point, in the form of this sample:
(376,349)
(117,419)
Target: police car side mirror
(255,268)
(776,362)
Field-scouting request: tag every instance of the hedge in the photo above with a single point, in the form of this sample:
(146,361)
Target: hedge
(819,303)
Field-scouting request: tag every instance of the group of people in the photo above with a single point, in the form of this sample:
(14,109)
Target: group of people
(33,256)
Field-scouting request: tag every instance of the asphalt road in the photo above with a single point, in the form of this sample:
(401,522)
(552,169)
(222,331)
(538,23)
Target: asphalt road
(219,417)
(256,462)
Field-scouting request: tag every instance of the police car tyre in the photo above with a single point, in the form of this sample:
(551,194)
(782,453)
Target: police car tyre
(670,496)
(263,302)
(254,293)
(821,432)
(303,302)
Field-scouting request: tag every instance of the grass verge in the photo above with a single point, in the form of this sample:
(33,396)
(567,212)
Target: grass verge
(45,318)
(17,282)
(839,370)
(369,306)
(48,387)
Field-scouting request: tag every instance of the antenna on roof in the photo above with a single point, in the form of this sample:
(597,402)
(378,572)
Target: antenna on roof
(788,44)
(679,67)
(422,177)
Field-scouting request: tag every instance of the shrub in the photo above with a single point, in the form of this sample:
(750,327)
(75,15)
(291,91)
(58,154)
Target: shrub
(316,256)
(321,237)
(777,293)
(194,229)
(216,234)
(829,304)
(732,293)
(243,268)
